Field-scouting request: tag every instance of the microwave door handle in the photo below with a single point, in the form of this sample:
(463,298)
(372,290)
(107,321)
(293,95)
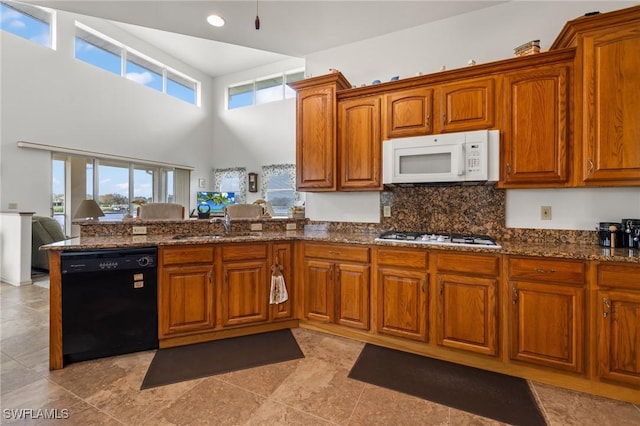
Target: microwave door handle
(461,159)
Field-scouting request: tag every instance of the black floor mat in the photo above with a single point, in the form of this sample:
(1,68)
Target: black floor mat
(497,396)
(173,365)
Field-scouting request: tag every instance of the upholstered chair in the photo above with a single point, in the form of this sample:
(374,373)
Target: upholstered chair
(161,211)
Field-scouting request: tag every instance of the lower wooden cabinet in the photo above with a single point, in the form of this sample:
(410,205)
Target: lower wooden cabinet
(336,291)
(282,256)
(185,291)
(402,286)
(467,302)
(618,323)
(547,316)
(244,290)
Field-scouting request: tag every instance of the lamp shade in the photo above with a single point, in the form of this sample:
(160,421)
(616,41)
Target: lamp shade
(88,209)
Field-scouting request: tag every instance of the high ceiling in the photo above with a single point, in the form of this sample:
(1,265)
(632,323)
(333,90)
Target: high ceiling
(289,28)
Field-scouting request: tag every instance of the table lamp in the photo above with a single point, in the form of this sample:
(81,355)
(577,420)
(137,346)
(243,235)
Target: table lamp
(88,210)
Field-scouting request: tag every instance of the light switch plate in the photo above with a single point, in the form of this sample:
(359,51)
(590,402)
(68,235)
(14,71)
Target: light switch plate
(291,226)
(139,230)
(256,227)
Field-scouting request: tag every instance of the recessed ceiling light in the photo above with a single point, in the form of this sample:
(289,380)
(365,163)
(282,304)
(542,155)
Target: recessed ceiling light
(215,20)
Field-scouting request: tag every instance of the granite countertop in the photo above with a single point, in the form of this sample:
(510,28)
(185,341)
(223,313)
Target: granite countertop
(561,250)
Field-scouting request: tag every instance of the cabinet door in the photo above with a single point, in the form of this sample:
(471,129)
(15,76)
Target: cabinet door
(467,105)
(352,283)
(282,255)
(408,113)
(536,127)
(402,303)
(360,144)
(547,325)
(316,139)
(619,336)
(467,313)
(318,288)
(611,106)
(245,292)
(186,300)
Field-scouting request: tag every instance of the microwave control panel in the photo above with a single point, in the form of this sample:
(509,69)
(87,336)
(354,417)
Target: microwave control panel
(475,160)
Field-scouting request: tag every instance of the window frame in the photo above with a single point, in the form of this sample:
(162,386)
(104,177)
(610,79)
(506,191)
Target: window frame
(254,83)
(43,14)
(141,60)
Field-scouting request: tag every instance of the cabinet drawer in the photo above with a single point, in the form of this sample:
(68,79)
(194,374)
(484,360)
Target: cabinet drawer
(403,257)
(186,254)
(536,269)
(619,275)
(244,251)
(337,252)
(468,264)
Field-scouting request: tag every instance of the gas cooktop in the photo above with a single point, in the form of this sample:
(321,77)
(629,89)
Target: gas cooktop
(441,239)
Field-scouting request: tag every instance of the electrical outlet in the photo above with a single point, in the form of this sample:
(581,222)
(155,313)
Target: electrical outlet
(139,230)
(545,212)
(291,226)
(256,227)
(386,211)
(13,206)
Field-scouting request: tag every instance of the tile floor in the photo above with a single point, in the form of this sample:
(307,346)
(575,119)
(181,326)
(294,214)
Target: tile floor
(310,391)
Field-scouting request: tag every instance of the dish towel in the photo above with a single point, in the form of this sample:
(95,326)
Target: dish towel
(278,288)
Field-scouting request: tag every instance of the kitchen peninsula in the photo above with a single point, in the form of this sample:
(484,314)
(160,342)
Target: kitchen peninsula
(560,313)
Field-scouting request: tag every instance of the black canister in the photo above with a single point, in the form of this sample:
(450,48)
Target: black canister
(608,236)
(631,233)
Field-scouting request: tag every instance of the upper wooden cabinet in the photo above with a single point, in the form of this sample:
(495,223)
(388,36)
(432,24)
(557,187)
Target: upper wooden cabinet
(360,144)
(536,126)
(468,104)
(316,151)
(408,113)
(607,102)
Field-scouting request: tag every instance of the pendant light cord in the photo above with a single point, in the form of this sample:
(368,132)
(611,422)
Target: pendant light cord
(257,17)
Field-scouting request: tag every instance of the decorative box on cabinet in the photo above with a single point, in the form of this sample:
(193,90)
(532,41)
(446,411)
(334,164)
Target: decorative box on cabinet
(467,302)
(336,284)
(402,285)
(547,311)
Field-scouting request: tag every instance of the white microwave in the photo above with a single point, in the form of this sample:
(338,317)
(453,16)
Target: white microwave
(450,157)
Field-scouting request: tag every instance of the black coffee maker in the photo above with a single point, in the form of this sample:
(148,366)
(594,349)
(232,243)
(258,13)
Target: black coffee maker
(631,233)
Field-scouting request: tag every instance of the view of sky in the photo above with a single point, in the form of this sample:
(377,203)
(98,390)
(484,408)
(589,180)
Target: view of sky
(112,180)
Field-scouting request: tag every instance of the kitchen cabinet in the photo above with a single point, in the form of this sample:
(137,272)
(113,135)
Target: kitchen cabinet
(245,284)
(618,323)
(360,143)
(467,104)
(336,284)
(547,312)
(467,302)
(408,112)
(402,292)
(536,126)
(316,123)
(607,105)
(185,290)
(282,256)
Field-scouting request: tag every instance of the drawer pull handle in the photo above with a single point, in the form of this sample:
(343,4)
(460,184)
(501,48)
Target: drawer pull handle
(607,307)
(515,296)
(334,253)
(591,166)
(542,271)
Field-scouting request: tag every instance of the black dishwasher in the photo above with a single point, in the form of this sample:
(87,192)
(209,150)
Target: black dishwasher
(109,302)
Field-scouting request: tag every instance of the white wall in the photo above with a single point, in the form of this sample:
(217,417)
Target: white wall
(256,135)
(49,97)
(486,35)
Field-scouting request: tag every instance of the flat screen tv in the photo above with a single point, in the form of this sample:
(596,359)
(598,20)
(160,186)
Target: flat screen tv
(216,200)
